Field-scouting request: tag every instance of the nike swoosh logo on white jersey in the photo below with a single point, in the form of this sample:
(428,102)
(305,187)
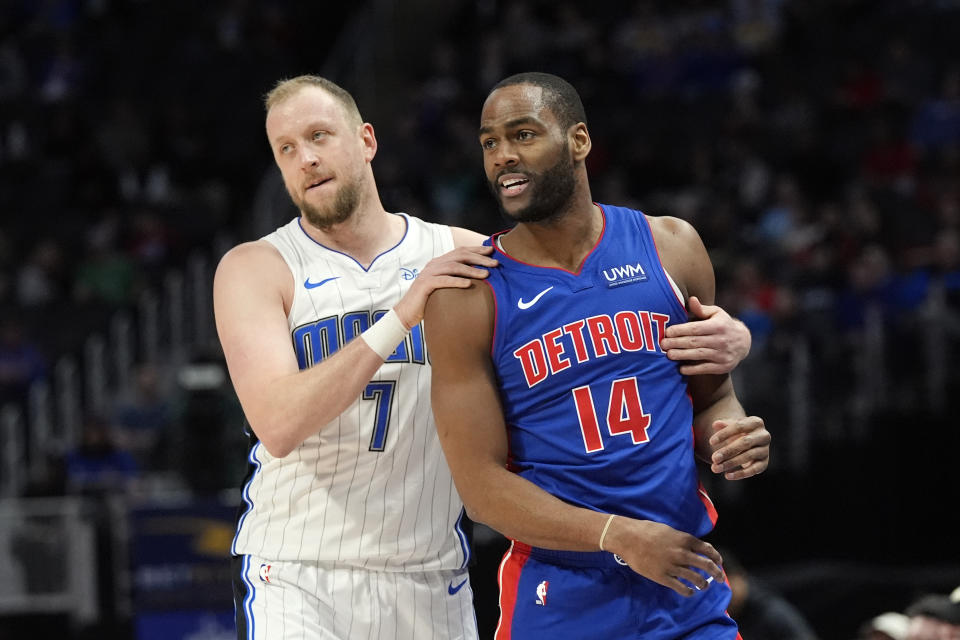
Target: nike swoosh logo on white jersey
(314,285)
(452,590)
(526,305)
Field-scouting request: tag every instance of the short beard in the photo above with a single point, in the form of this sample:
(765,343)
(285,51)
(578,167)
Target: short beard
(330,214)
(554,189)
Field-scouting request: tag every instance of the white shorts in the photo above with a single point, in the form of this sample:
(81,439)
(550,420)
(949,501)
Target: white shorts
(278,600)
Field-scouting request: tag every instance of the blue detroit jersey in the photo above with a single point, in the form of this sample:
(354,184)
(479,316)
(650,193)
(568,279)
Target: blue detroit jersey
(596,413)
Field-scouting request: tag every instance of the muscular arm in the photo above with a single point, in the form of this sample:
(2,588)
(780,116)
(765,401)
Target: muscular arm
(252,292)
(734,444)
(474,438)
(473,434)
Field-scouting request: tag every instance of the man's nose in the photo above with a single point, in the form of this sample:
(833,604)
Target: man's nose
(505,154)
(308,158)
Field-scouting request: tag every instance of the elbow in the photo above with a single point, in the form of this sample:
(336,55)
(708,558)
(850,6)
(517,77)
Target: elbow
(277,444)
(474,514)
(277,449)
(476,507)
(480,487)
(489,516)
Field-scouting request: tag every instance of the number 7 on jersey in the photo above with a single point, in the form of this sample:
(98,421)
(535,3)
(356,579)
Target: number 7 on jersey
(382,393)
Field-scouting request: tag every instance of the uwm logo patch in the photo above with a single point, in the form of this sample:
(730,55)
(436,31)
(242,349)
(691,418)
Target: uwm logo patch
(624,274)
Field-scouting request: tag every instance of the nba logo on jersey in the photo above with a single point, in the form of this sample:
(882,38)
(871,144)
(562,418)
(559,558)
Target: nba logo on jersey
(265,572)
(542,593)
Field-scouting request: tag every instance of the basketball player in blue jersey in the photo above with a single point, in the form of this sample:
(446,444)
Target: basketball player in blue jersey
(565,425)
(350,525)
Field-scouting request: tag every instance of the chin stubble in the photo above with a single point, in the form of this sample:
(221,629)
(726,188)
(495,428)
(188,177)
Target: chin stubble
(554,188)
(329,214)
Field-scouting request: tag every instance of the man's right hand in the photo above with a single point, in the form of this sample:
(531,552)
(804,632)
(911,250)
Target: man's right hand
(454,269)
(663,554)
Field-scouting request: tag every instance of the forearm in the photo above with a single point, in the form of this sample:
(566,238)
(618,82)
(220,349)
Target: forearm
(291,408)
(725,407)
(519,509)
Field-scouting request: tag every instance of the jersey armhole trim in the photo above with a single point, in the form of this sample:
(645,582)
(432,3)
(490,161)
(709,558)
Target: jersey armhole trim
(678,295)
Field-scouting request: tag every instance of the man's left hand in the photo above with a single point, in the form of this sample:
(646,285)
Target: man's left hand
(741,447)
(713,343)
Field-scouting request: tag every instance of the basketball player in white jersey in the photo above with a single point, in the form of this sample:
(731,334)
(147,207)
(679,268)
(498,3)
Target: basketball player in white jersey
(350,525)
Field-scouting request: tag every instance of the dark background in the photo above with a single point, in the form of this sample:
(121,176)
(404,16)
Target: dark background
(814,144)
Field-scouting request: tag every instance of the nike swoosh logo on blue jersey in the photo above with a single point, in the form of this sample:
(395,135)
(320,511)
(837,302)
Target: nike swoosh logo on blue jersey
(453,589)
(314,285)
(526,305)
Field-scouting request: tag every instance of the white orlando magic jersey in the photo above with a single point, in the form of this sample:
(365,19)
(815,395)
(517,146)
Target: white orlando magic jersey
(372,488)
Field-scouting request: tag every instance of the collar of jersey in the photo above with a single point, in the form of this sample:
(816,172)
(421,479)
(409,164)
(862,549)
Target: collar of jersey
(373,262)
(534,268)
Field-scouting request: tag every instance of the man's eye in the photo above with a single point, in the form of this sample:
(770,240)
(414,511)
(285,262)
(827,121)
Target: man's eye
(524,135)
(286,148)
(317,135)
(489,143)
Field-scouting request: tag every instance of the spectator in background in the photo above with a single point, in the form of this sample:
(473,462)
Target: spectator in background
(760,611)
(105,274)
(21,361)
(946,264)
(935,617)
(40,280)
(97,466)
(891,625)
(936,122)
(144,415)
(149,242)
(753,295)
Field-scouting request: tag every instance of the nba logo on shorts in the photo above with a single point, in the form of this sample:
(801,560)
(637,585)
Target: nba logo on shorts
(542,593)
(265,573)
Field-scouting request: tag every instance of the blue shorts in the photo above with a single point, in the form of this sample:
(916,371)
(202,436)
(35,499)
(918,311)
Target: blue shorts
(568,594)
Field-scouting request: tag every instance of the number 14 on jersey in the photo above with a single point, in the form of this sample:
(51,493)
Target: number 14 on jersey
(624,414)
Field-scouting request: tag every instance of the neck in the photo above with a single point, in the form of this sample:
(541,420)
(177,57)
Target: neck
(369,231)
(564,241)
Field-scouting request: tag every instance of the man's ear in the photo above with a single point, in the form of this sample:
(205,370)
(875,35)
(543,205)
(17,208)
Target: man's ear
(369,140)
(580,143)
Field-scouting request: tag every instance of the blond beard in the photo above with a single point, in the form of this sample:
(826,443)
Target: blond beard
(325,216)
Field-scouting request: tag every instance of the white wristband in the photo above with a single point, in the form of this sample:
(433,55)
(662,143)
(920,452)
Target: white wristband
(386,334)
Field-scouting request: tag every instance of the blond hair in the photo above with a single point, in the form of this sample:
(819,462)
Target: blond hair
(287,88)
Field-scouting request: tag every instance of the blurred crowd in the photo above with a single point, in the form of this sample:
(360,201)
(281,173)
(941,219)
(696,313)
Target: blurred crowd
(815,145)
(122,149)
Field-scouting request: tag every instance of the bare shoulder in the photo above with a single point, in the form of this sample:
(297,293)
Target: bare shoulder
(466,314)
(453,301)
(254,267)
(249,258)
(683,255)
(671,232)
(466,238)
